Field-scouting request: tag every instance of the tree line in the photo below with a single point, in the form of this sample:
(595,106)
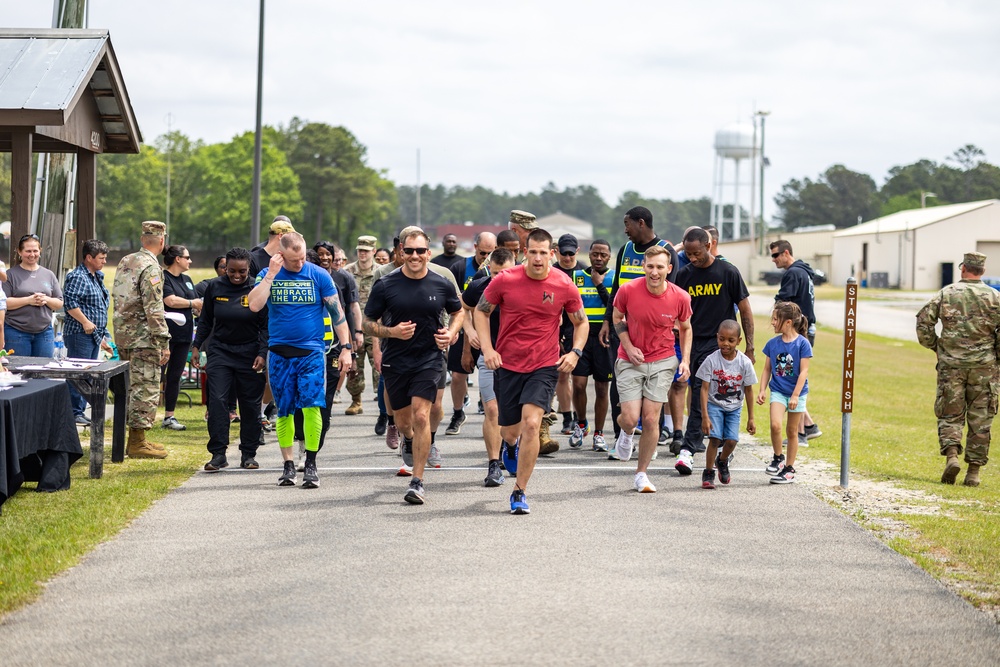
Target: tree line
(842,197)
(319,176)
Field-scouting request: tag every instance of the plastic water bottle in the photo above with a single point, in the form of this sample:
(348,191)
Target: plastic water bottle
(59,348)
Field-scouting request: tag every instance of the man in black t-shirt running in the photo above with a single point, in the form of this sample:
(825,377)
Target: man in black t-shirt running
(405,309)
(715,287)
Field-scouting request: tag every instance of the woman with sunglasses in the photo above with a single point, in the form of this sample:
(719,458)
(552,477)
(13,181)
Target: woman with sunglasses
(33,293)
(178,297)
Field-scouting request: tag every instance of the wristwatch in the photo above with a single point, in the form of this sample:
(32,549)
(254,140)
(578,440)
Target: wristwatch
(346,346)
(578,351)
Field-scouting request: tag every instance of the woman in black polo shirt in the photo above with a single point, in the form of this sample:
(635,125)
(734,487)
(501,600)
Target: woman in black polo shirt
(239,350)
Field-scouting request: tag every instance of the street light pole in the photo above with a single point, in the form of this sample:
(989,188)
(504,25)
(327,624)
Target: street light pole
(923,198)
(255,202)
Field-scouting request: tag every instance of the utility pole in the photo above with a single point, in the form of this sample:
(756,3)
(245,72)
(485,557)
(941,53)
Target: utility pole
(255,203)
(418,187)
(170,152)
(763,163)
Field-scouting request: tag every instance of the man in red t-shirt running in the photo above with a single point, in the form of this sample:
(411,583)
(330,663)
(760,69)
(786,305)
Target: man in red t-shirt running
(532,299)
(645,315)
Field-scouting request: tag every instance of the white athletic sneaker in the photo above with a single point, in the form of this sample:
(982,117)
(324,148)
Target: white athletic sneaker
(684,462)
(623,446)
(642,483)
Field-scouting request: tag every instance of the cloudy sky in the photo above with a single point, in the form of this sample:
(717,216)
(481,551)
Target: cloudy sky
(618,94)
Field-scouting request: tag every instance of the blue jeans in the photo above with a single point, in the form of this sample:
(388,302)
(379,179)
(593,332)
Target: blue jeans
(29,344)
(80,346)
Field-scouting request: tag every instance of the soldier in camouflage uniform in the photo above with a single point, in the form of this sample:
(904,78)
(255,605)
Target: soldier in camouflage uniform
(142,336)
(967,364)
(364,276)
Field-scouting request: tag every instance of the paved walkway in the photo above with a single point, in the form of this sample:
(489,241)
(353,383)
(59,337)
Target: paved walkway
(231,569)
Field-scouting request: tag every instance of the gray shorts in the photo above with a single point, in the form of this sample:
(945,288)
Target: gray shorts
(651,380)
(487,392)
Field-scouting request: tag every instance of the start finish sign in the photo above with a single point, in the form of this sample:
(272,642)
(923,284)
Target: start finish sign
(850,328)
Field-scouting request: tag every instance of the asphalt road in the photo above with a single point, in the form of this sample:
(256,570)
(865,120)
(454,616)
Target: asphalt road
(892,318)
(230,569)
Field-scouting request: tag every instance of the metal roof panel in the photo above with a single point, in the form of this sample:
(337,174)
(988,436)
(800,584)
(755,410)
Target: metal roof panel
(45,73)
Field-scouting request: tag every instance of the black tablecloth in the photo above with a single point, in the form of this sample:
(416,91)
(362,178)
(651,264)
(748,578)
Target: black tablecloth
(38,437)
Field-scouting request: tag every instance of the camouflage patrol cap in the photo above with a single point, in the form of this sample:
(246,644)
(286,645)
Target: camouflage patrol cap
(974,260)
(524,219)
(154,228)
(367,243)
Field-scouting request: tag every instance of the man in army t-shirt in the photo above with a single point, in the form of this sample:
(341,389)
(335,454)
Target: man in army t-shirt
(142,336)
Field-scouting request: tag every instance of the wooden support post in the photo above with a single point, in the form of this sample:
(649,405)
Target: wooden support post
(86,200)
(20,187)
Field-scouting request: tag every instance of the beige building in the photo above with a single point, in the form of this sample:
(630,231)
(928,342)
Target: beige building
(918,249)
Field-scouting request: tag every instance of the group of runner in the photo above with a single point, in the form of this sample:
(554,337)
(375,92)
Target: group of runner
(530,318)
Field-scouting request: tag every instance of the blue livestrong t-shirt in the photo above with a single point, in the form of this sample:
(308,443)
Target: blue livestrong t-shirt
(296,309)
(785,359)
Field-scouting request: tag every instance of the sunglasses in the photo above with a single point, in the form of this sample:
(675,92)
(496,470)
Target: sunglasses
(567,254)
(419,251)
(185,256)
(483,254)
(775,255)
(29,236)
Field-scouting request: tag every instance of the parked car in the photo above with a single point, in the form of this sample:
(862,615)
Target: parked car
(773,277)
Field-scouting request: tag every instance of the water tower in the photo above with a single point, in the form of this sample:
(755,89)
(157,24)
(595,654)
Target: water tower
(734,144)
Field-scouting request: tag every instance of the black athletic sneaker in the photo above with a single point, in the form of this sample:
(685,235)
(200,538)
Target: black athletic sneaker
(708,479)
(494,476)
(288,474)
(381,423)
(415,494)
(249,463)
(813,431)
(217,463)
(310,478)
(677,442)
(455,426)
(663,440)
(777,461)
(786,476)
(723,465)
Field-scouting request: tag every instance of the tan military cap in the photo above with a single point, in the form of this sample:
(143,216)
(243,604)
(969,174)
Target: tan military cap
(524,219)
(974,260)
(154,228)
(367,243)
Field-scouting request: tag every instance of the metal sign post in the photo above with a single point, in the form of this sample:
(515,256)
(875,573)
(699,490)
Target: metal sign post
(847,388)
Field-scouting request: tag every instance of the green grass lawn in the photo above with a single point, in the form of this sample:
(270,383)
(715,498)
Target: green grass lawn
(894,439)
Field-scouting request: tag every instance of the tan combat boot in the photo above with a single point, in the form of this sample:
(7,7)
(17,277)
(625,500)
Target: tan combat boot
(546,445)
(972,475)
(138,448)
(355,408)
(952,467)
